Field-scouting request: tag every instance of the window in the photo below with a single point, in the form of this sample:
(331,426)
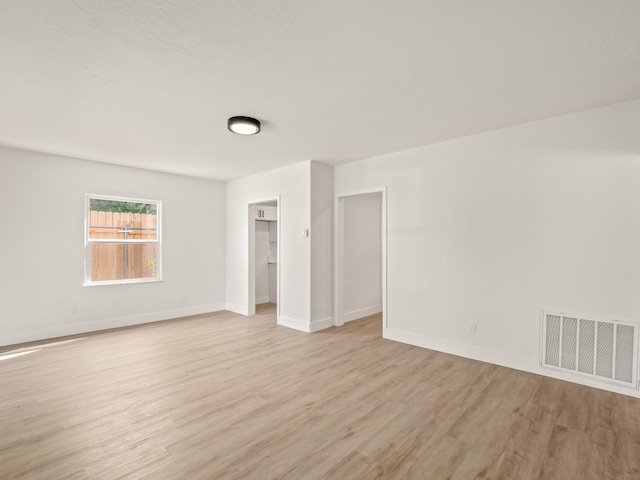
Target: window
(122,240)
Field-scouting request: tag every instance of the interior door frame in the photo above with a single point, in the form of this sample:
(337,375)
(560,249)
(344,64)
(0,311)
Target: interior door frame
(338,257)
(251,224)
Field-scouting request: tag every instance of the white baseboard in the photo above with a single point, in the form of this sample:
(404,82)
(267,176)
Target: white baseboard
(303,326)
(462,350)
(106,324)
(321,324)
(496,357)
(261,300)
(240,309)
(360,313)
(294,323)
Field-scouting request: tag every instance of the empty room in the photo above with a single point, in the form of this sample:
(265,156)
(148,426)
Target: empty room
(319,240)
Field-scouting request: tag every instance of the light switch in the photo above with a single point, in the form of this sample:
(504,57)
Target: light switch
(305,233)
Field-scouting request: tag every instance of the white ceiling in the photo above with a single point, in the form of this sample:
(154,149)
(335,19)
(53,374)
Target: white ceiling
(150,83)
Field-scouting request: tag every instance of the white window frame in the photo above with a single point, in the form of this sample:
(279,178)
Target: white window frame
(88,242)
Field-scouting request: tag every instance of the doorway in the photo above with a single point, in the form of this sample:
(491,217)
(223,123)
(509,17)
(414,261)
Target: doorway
(360,255)
(264,255)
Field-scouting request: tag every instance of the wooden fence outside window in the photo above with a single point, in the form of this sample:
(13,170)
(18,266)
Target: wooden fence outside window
(119,261)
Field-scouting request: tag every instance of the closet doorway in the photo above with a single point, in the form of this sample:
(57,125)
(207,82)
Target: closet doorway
(264,256)
(360,255)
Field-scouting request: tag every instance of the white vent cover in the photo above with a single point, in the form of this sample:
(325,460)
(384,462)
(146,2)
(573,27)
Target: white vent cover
(603,350)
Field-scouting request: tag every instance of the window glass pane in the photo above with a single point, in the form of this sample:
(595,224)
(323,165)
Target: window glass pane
(119,261)
(114,219)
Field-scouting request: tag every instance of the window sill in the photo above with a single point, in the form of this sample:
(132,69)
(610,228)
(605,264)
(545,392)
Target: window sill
(122,282)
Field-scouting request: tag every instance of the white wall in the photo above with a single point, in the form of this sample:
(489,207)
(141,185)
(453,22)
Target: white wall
(293,185)
(262,251)
(362,256)
(42,201)
(321,243)
(492,228)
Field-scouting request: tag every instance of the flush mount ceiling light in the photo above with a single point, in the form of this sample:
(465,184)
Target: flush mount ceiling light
(243,125)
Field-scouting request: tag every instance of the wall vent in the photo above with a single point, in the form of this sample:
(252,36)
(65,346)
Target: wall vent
(606,350)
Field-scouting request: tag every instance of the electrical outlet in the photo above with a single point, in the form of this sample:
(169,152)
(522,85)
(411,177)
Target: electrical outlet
(74,310)
(472,328)
(183,297)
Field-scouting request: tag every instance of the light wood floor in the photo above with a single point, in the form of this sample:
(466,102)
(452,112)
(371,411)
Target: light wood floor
(227,397)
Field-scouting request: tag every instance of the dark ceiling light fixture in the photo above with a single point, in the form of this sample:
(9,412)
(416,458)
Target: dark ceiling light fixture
(243,125)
